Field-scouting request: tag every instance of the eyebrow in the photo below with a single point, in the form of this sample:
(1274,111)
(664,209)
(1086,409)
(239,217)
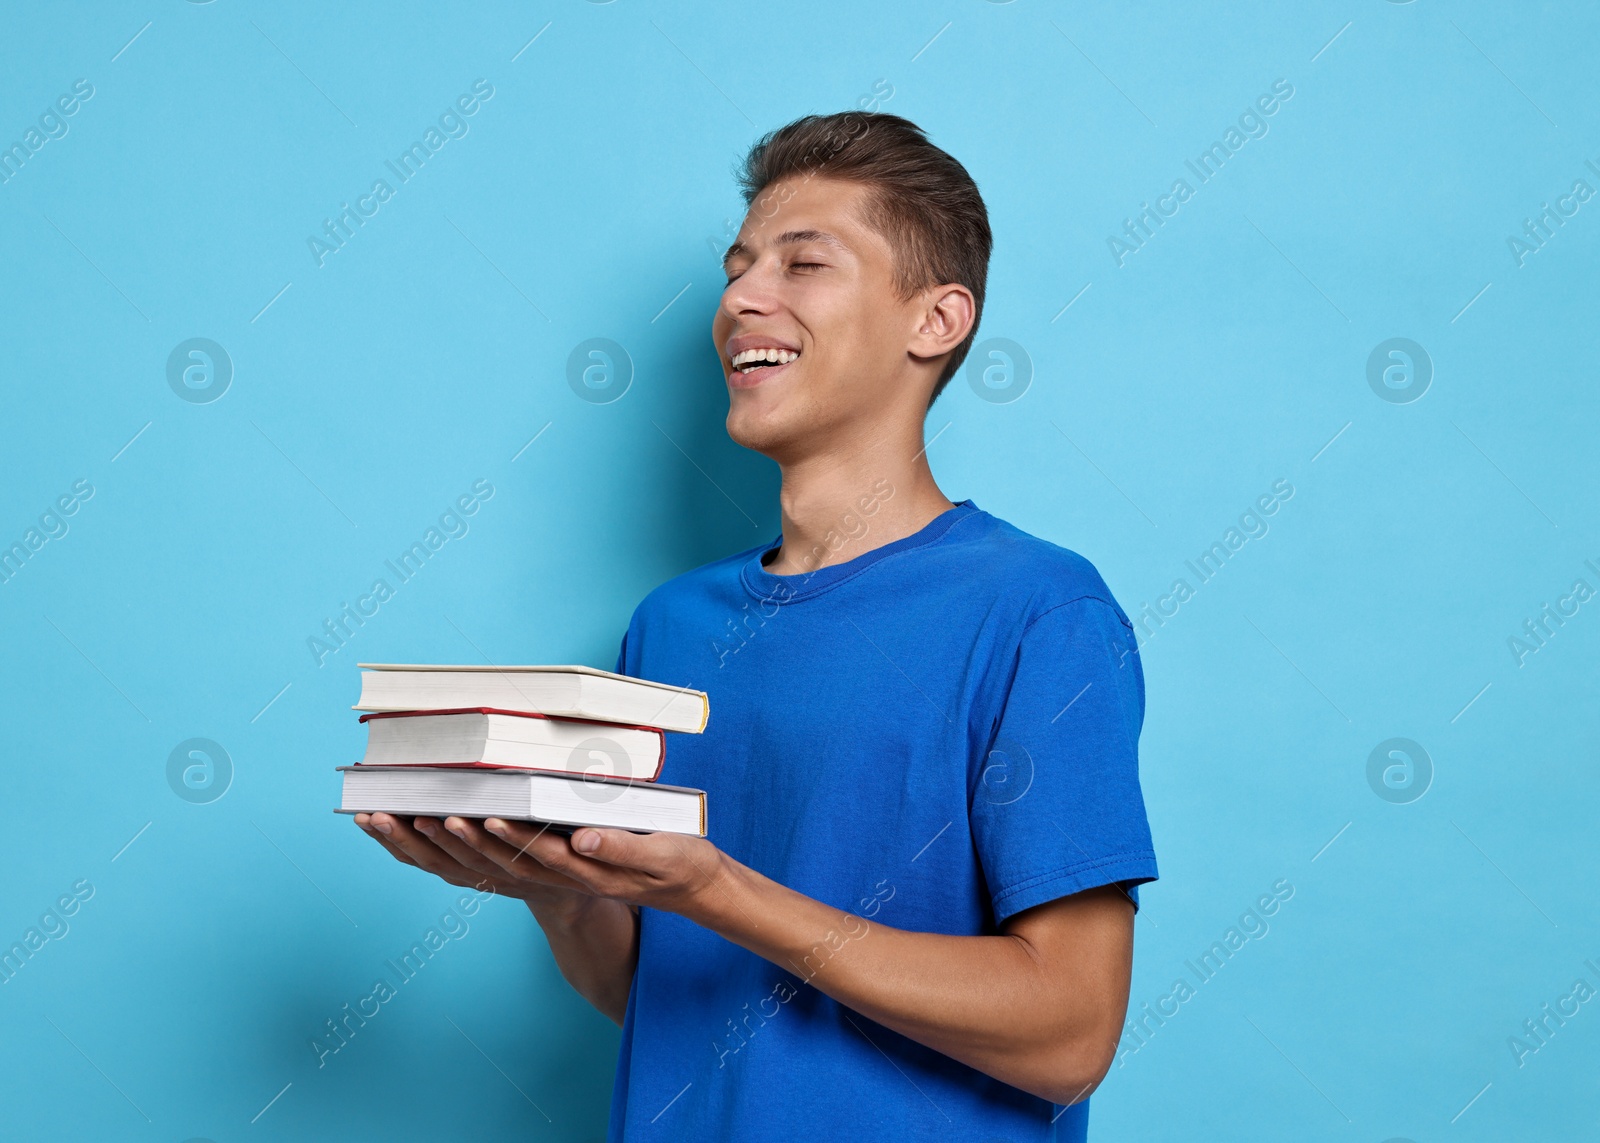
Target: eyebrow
(789,238)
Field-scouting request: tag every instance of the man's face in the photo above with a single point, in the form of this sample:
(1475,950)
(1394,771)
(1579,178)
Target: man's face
(811,282)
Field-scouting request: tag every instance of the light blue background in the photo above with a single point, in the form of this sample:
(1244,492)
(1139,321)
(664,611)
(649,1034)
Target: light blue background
(591,191)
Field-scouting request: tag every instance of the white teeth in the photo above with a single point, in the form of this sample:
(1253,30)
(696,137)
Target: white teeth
(757,357)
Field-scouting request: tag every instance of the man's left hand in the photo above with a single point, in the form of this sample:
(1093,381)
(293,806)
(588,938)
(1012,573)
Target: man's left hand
(663,870)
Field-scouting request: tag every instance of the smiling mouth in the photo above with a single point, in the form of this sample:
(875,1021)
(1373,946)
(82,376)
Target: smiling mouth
(755,365)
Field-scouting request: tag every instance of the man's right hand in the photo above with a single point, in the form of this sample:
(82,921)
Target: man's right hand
(441,848)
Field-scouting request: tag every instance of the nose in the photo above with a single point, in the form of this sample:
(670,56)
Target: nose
(752,293)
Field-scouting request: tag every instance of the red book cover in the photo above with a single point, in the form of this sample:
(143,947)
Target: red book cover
(661,736)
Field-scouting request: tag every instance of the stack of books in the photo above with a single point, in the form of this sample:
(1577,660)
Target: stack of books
(567,746)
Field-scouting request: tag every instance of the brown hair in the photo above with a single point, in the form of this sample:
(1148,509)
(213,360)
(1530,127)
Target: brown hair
(922,200)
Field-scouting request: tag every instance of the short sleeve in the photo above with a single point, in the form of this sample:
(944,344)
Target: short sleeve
(1056,805)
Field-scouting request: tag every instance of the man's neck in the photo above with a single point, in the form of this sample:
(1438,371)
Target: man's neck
(841,504)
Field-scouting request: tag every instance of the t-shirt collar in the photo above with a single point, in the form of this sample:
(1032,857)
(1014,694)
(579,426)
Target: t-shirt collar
(787,588)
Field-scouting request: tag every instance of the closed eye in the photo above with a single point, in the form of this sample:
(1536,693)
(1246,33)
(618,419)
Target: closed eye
(793,266)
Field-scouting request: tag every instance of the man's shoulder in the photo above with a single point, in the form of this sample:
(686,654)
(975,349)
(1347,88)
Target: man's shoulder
(1036,573)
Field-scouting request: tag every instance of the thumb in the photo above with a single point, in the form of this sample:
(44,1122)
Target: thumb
(613,846)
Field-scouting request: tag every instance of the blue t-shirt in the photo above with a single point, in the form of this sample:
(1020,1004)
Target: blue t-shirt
(934,736)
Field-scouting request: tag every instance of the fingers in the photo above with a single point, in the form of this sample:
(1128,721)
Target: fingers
(413,847)
(529,860)
(549,850)
(394,851)
(372,832)
(587,841)
(534,851)
(558,853)
(469,843)
(653,854)
(453,848)
(531,838)
(658,868)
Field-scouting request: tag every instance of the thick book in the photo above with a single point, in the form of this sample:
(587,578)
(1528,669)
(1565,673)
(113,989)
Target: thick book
(571,692)
(484,736)
(523,795)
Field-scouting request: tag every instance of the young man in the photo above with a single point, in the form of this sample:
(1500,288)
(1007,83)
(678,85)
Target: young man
(913,918)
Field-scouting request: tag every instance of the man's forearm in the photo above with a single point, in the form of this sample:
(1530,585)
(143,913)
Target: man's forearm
(1044,1019)
(1038,1006)
(595,941)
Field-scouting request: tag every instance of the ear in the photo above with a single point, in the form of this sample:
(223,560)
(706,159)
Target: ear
(944,318)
